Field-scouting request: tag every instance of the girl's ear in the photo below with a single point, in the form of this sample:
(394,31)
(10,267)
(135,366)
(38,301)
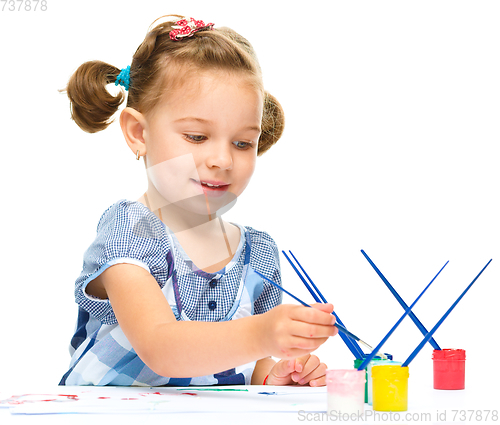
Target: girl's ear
(133,125)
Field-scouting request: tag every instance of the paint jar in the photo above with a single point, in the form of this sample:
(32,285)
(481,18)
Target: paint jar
(346,391)
(357,363)
(390,388)
(369,379)
(449,369)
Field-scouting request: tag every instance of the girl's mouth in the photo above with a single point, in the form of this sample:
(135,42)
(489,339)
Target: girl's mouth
(212,187)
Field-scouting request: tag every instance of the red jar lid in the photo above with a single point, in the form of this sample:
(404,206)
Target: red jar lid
(449,354)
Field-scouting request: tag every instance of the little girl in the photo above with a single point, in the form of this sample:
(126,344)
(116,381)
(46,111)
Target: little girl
(168,294)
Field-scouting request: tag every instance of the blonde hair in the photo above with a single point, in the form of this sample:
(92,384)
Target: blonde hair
(159,65)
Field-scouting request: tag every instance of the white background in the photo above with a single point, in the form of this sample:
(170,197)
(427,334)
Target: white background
(390,146)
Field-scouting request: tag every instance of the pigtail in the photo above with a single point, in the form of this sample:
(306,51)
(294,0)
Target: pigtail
(92,106)
(273,123)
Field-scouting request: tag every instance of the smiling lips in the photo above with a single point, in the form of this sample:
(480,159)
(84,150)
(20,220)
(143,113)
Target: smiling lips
(212,187)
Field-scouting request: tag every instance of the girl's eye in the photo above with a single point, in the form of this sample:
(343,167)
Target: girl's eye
(242,145)
(195,138)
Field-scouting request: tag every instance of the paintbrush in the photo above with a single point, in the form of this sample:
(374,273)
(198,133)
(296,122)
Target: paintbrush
(339,327)
(413,317)
(351,344)
(407,311)
(438,324)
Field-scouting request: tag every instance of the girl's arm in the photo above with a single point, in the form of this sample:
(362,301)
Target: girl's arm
(185,349)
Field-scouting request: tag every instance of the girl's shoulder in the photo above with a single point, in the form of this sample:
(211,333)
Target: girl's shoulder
(125,208)
(263,246)
(133,217)
(259,236)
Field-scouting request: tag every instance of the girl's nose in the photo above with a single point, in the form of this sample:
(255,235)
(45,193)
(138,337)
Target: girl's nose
(220,157)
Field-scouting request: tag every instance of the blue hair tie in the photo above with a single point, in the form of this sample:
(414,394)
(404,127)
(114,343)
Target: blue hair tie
(123,78)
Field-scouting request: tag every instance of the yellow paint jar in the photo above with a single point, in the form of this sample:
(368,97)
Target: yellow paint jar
(369,375)
(390,388)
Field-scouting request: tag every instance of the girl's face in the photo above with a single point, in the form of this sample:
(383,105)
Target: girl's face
(201,141)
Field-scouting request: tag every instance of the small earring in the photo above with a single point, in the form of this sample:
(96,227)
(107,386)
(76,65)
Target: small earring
(137,155)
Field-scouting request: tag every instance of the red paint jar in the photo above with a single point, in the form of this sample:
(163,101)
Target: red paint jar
(449,369)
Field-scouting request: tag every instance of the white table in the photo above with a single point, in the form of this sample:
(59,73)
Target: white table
(238,404)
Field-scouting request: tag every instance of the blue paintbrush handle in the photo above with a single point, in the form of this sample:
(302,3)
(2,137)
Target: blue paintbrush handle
(417,322)
(308,278)
(351,345)
(438,324)
(340,327)
(385,338)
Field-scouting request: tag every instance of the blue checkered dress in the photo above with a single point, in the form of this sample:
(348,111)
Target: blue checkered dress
(129,233)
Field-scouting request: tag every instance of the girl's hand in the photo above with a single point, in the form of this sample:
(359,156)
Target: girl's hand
(291,331)
(301,371)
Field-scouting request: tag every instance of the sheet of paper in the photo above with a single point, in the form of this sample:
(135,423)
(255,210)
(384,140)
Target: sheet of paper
(167,400)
